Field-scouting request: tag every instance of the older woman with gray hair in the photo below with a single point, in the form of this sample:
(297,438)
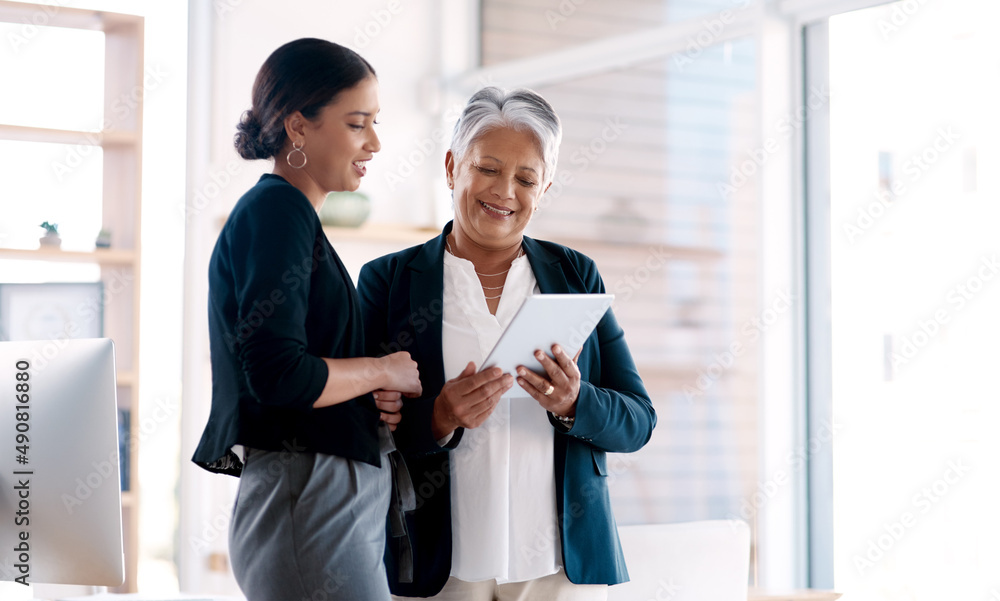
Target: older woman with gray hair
(511,489)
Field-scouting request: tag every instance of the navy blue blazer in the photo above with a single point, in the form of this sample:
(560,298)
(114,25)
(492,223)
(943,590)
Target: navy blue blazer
(401,302)
(279,300)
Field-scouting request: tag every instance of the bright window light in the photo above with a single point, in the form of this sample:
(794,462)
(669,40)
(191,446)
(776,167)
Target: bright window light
(916,286)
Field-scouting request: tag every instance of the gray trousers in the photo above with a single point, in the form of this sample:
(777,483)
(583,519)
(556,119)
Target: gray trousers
(311,527)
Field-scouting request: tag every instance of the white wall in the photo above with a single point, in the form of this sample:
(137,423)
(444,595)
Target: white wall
(230,39)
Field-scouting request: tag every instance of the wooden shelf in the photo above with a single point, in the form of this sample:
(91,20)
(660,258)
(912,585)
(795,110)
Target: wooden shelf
(75,18)
(381,232)
(23,133)
(100,256)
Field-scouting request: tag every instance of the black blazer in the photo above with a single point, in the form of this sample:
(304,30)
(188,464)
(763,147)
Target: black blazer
(401,300)
(279,300)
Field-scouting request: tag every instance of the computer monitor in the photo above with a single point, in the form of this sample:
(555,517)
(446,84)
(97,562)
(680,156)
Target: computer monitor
(60,484)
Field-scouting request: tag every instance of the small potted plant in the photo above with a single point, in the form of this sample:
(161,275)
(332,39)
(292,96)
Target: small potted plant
(51,237)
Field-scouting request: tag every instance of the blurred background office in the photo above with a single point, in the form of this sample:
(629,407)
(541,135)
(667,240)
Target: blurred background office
(791,200)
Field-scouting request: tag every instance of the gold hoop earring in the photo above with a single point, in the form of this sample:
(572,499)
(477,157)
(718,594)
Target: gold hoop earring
(297,147)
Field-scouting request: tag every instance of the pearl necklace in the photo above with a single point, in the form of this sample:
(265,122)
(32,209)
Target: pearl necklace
(520,253)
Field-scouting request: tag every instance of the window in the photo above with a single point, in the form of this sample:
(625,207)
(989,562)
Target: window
(654,183)
(913,256)
(900,246)
(49,179)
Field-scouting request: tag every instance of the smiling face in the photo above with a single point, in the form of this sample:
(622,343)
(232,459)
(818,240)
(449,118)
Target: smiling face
(345,138)
(497,185)
(338,142)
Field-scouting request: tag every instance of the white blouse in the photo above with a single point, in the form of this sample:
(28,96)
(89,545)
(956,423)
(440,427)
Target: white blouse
(503,491)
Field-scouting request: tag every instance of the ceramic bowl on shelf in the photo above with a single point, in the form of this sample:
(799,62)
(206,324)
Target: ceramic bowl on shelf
(345,209)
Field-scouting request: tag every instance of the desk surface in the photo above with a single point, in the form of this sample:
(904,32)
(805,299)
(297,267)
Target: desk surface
(757,594)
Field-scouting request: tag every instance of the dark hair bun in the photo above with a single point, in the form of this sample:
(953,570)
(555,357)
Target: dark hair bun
(304,75)
(247,140)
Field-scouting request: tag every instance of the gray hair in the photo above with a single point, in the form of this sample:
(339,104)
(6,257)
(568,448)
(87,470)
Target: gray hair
(521,110)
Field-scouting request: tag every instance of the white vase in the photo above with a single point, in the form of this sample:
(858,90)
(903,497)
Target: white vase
(50,240)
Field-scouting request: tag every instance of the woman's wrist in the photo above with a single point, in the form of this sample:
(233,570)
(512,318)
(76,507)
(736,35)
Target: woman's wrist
(569,410)
(440,427)
(565,415)
(379,373)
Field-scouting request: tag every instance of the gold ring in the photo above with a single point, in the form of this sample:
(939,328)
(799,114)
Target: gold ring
(549,391)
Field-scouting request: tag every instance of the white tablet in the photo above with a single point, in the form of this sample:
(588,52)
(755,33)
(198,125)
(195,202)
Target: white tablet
(544,320)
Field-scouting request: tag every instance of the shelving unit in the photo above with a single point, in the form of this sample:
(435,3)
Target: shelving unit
(121,144)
